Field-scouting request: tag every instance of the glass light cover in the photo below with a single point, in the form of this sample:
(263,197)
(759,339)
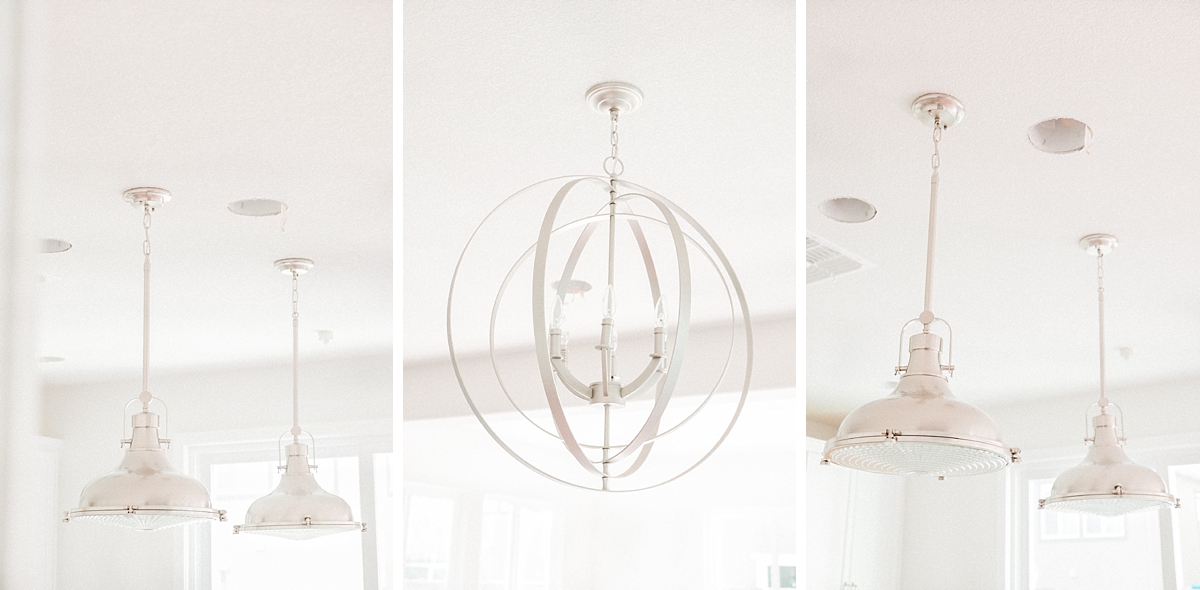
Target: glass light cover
(920,429)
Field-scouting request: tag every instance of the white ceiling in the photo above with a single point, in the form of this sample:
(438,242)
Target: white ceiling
(214,101)
(1009,275)
(494,101)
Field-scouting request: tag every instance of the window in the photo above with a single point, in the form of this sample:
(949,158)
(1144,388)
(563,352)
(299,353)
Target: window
(1071,525)
(358,469)
(456,538)
(515,552)
(428,542)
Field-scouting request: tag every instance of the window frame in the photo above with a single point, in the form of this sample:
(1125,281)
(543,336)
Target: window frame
(363,440)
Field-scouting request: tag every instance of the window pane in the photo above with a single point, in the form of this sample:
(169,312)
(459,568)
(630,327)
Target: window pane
(251,562)
(1063,555)
(495,552)
(427,542)
(535,530)
(383,517)
(1185,484)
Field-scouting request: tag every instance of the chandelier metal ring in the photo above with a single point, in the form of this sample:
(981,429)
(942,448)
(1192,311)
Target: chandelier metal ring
(591,221)
(636,449)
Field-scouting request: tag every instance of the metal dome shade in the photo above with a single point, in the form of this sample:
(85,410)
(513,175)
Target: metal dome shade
(1108,482)
(145,493)
(299,508)
(920,428)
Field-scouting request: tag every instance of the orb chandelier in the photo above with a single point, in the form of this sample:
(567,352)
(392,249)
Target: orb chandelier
(298,508)
(575,419)
(921,428)
(1107,482)
(145,493)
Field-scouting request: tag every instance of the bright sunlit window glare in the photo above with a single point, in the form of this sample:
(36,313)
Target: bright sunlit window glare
(359,468)
(252,562)
(1071,550)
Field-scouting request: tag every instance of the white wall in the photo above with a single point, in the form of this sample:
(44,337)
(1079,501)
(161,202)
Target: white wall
(87,419)
(696,532)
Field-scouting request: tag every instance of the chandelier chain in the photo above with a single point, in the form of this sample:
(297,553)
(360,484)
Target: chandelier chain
(937,138)
(1100,299)
(612,164)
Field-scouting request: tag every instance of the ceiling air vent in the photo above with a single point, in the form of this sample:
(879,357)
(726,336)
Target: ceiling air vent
(825,261)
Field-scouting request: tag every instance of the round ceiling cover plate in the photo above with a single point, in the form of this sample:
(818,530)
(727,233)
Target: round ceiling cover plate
(287,265)
(626,98)
(950,109)
(146,195)
(1101,243)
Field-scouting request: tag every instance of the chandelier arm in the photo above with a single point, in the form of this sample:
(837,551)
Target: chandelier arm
(588,222)
(649,378)
(539,331)
(650,427)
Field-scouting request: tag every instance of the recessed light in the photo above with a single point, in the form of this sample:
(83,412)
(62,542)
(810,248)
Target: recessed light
(52,246)
(1060,136)
(847,210)
(51,359)
(574,289)
(257,207)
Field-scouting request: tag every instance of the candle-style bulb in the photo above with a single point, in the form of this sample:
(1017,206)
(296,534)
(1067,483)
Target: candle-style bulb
(610,304)
(557,318)
(660,313)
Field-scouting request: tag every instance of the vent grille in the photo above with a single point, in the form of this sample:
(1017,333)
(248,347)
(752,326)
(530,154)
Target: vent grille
(825,261)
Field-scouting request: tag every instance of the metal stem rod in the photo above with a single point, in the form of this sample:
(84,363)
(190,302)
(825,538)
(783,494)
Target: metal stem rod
(933,197)
(295,357)
(146,305)
(604,463)
(1100,297)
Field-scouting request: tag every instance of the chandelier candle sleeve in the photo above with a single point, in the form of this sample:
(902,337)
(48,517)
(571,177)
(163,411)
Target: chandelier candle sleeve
(921,428)
(608,444)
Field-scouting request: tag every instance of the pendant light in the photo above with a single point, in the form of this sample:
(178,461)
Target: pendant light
(298,508)
(608,445)
(921,428)
(1107,482)
(145,493)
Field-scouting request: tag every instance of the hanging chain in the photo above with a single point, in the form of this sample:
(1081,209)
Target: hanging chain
(295,297)
(937,137)
(146,210)
(1100,299)
(612,164)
